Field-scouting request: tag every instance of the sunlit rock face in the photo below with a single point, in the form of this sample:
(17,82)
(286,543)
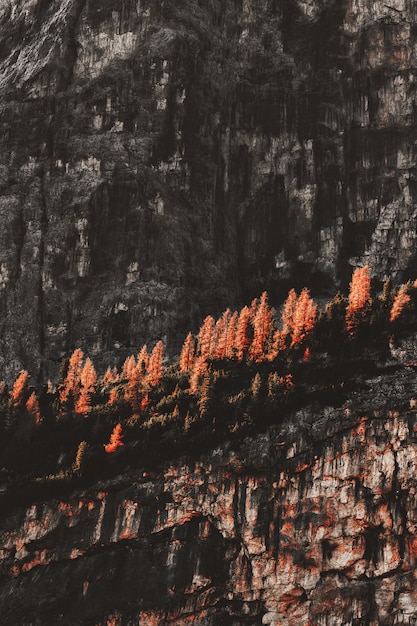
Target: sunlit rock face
(163,160)
(320,532)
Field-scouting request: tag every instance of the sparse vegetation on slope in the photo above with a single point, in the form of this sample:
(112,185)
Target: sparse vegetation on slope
(239,373)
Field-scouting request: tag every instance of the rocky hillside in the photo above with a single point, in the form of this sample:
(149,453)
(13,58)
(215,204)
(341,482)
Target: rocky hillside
(161,160)
(311,522)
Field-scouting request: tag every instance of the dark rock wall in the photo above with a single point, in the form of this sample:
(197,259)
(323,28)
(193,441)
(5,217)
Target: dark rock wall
(317,533)
(163,160)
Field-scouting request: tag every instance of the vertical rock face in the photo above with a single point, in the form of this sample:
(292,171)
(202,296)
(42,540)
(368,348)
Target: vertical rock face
(163,160)
(275,534)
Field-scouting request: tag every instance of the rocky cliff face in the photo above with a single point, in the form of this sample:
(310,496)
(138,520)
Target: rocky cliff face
(312,522)
(163,160)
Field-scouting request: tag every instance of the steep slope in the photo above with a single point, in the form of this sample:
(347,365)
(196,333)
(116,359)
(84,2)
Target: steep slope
(312,522)
(161,160)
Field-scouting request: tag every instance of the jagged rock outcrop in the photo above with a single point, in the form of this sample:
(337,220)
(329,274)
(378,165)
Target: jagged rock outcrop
(162,160)
(312,522)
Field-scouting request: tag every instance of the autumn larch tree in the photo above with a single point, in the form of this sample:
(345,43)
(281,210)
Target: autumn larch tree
(401,300)
(72,381)
(262,329)
(242,340)
(206,338)
(304,317)
(18,394)
(88,379)
(154,373)
(187,354)
(115,439)
(198,369)
(32,407)
(143,359)
(128,367)
(231,336)
(288,312)
(359,299)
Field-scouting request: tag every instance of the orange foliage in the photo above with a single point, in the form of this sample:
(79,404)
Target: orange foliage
(72,382)
(304,319)
(187,354)
(359,298)
(155,365)
(241,339)
(199,368)
(128,368)
(401,300)
(113,396)
(231,336)
(206,338)
(32,407)
(110,377)
(221,330)
(115,439)
(88,379)
(288,312)
(143,359)
(262,328)
(278,344)
(17,395)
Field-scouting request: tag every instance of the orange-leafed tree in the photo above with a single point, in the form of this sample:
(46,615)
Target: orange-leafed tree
(72,382)
(134,388)
(262,330)
(242,340)
(88,380)
(128,367)
(206,338)
(198,369)
(32,407)
(401,300)
(154,373)
(115,439)
(231,335)
(304,317)
(109,377)
(187,354)
(277,345)
(359,299)
(18,394)
(288,312)
(143,359)
(221,334)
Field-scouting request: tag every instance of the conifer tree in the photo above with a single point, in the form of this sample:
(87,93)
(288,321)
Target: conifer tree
(32,407)
(88,379)
(143,359)
(109,378)
(359,299)
(187,354)
(304,317)
(206,338)
(155,365)
(199,367)
(262,328)
(115,439)
(401,300)
(288,312)
(72,382)
(128,367)
(19,392)
(231,336)
(242,340)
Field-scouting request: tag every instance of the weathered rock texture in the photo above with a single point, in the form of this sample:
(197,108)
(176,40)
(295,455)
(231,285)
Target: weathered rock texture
(160,160)
(311,523)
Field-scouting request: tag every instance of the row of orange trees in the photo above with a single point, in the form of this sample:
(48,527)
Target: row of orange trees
(255,334)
